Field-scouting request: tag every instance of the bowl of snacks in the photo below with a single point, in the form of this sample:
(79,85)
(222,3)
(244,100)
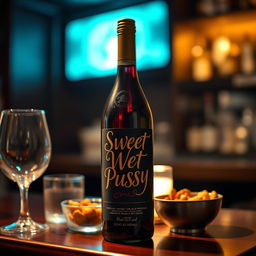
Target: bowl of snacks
(83,215)
(188,212)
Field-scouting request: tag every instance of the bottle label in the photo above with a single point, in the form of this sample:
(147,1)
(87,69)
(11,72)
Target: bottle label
(127,175)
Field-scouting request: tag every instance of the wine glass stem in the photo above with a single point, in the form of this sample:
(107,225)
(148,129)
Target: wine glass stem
(24,212)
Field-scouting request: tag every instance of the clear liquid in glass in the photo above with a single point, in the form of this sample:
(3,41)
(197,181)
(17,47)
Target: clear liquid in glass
(52,199)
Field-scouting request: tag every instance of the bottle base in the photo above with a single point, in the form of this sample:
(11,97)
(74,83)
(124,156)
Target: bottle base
(126,241)
(134,241)
(120,240)
(139,234)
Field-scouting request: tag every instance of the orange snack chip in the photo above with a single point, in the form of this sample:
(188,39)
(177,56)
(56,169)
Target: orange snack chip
(85,201)
(185,194)
(84,213)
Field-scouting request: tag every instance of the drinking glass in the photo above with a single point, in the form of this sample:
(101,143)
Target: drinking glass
(25,150)
(57,188)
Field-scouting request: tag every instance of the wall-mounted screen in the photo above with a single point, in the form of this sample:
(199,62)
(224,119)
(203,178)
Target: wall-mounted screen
(91,42)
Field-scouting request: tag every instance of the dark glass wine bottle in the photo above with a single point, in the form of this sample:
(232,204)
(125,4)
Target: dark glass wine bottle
(127,153)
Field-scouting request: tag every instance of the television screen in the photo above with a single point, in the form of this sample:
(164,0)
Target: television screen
(91,42)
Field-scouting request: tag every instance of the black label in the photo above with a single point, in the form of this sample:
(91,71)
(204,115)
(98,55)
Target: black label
(127,175)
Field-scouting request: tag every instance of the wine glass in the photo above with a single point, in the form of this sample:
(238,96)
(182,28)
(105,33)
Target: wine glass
(25,151)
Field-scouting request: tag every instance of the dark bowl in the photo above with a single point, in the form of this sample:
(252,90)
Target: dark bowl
(187,216)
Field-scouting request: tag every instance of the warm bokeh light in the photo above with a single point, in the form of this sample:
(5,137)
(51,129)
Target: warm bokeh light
(163,180)
(197,51)
(223,44)
(241,132)
(162,168)
(234,50)
(221,49)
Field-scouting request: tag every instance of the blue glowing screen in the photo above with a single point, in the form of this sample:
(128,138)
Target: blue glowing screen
(91,42)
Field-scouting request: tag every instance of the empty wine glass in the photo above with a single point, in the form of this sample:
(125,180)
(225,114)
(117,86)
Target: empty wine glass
(25,150)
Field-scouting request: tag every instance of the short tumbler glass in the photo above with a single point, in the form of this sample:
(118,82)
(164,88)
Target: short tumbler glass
(59,187)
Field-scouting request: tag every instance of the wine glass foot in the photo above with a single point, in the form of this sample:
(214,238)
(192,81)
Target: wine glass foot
(23,226)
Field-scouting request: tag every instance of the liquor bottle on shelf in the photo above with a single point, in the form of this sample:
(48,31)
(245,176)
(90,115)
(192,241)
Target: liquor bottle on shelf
(163,148)
(248,64)
(221,46)
(193,132)
(253,132)
(127,151)
(243,132)
(243,4)
(226,123)
(206,7)
(231,64)
(252,3)
(223,6)
(209,131)
(201,61)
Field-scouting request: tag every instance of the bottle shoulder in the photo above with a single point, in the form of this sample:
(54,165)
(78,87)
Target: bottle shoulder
(127,107)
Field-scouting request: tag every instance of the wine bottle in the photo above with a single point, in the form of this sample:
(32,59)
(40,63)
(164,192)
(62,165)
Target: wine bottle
(127,151)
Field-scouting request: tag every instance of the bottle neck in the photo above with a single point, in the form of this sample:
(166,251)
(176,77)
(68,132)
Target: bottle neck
(127,72)
(126,49)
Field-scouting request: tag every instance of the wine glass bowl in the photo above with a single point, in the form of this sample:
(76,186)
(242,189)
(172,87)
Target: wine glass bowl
(25,151)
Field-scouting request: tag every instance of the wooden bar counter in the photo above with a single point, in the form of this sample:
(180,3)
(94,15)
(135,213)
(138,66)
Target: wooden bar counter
(233,232)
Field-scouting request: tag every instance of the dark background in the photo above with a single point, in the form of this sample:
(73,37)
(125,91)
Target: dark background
(36,78)
(32,51)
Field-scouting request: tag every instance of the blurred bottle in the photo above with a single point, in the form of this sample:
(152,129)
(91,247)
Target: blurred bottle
(247,56)
(221,47)
(248,117)
(209,131)
(193,132)
(201,61)
(193,138)
(243,4)
(253,132)
(231,64)
(252,3)
(223,6)
(163,146)
(226,123)
(90,143)
(206,7)
(243,132)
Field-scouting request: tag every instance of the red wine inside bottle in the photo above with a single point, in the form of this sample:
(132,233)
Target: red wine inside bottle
(127,153)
